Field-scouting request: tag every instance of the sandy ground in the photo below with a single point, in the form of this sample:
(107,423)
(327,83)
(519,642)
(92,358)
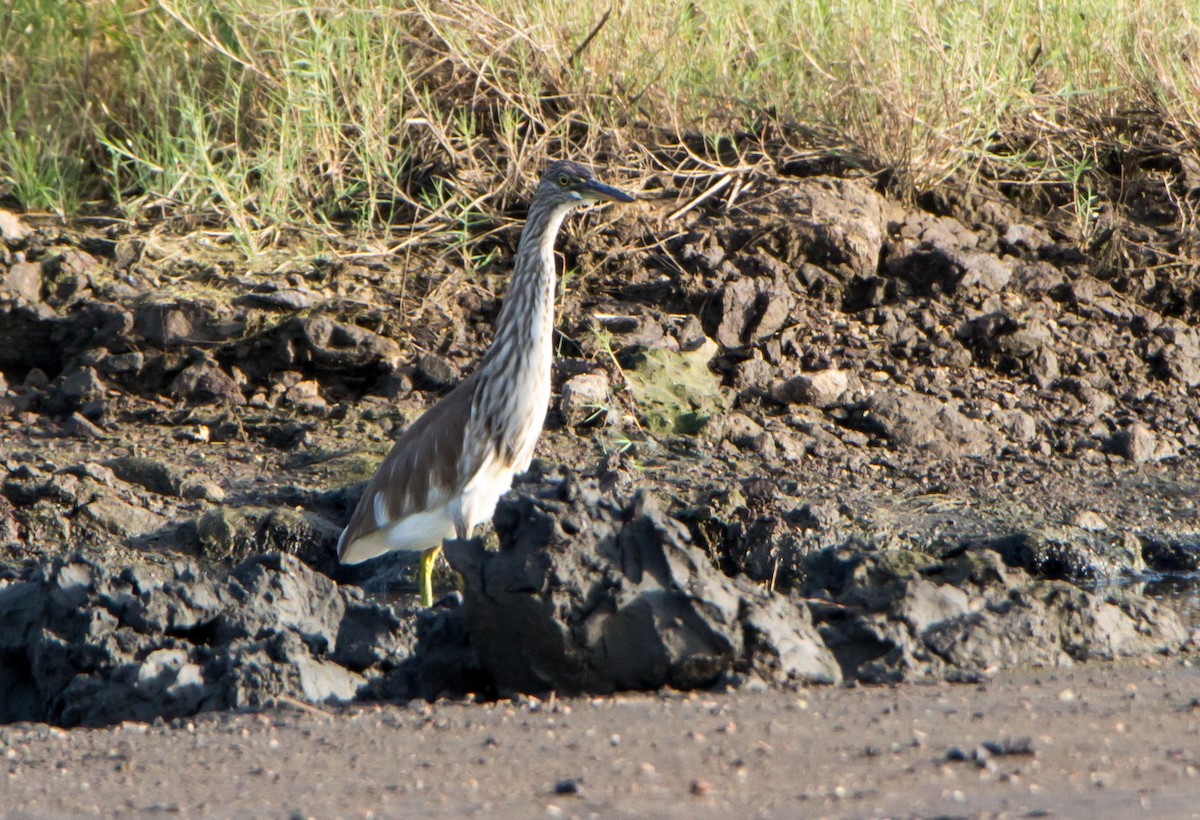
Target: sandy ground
(1103,741)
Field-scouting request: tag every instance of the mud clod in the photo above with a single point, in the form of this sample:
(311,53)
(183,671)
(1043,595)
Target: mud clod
(590,594)
(85,644)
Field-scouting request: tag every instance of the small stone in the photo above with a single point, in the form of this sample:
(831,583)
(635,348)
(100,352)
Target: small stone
(753,374)
(306,397)
(585,399)
(206,383)
(74,262)
(24,279)
(1089,520)
(1019,426)
(691,334)
(79,427)
(155,475)
(12,230)
(123,362)
(744,431)
(566,787)
(700,788)
(436,371)
(821,389)
(1043,366)
(36,378)
(1135,443)
(121,518)
(198,490)
(82,385)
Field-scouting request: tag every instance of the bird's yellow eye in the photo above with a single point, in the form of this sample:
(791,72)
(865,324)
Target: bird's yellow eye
(564,180)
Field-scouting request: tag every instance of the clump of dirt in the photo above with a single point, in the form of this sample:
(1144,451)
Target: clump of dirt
(589,593)
(86,643)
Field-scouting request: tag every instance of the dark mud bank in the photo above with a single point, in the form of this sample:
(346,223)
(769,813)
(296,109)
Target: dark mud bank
(588,593)
(914,421)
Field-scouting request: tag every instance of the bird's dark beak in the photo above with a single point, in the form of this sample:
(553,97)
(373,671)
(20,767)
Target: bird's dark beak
(593,191)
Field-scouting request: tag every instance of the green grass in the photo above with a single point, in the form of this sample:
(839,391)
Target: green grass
(277,117)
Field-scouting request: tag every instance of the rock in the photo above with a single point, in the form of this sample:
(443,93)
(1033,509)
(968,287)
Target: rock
(783,646)
(78,426)
(436,371)
(306,397)
(816,515)
(1135,443)
(849,245)
(896,617)
(1019,426)
(821,389)
(737,312)
(327,344)
(24,280)
(204,382)
(121,518)
(12,230)
(179,324)
(939,264)
(86,644)
(1089,520)
(1025,237)
(156,476)
(199,489)
(81,385)
(240,532)
(752,309)
(1004,333)
(1069,553)
(744,431)
(982,270)
(585,399)
(1172,556)
(72,262)
(913,420)
(272,298)
(632,330)
(754,374)
(123,363)
(674,392)
(1179,357)
(593,595)
(1043,367)
(691,333)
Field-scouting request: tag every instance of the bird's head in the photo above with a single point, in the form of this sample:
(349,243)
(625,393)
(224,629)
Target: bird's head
(569,183)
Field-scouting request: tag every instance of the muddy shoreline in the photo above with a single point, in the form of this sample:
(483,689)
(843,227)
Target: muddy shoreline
(1101,739)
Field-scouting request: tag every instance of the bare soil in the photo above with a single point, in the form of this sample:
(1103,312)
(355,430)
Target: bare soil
(1099,740)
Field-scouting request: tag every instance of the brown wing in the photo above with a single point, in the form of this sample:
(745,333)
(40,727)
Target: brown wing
(420,472)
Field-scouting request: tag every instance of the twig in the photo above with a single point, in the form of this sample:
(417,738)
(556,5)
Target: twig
(715,188)
(587,40)
(304,707)
(212,43)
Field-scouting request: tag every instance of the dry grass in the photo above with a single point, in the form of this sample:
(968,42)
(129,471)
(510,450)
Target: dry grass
(401,121)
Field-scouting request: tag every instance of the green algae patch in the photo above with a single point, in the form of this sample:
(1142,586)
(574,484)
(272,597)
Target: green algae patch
(675,392)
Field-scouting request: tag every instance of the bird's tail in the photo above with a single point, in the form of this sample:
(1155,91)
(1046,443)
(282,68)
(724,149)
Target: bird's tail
(371,545)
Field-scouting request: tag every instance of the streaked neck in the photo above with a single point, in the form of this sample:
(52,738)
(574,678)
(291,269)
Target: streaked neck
(527,318)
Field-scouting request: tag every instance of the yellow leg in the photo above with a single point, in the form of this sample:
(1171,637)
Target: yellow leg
(425,575)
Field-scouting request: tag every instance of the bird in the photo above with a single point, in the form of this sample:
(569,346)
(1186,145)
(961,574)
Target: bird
(448,469)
